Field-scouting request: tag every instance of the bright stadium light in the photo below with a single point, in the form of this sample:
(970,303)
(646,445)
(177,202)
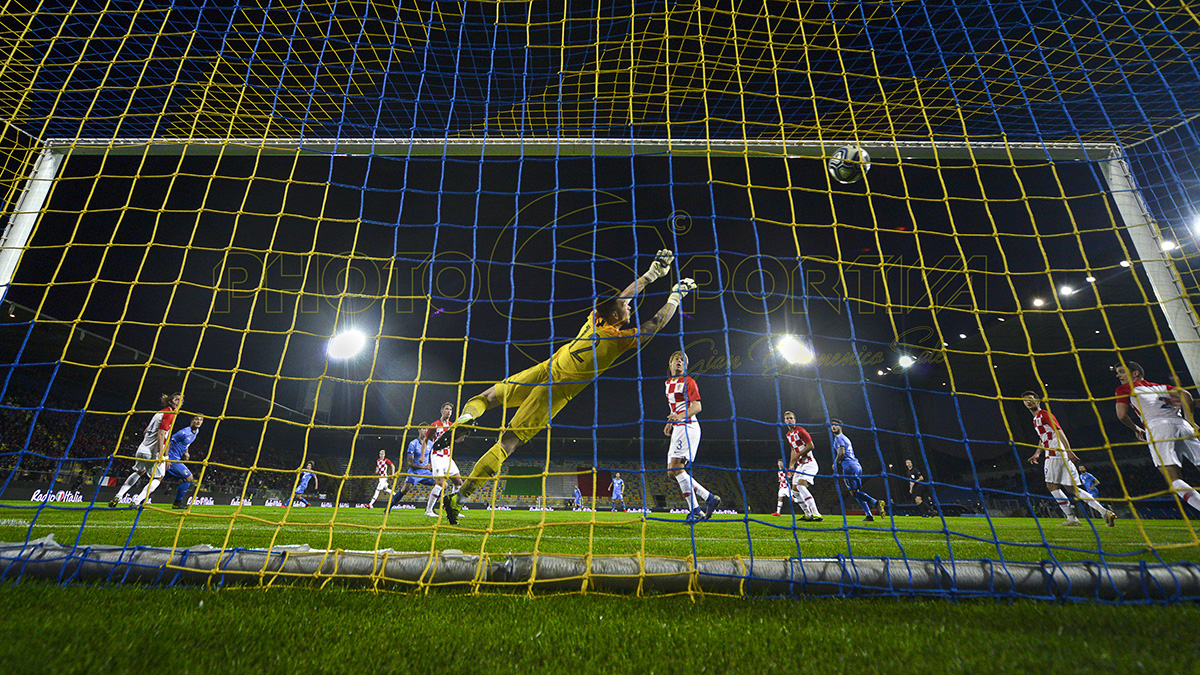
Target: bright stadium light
(1038,302)
(345,345)
(1090,280)
(905,361)
(1124,263)
(793,350)
(1066,290)
(1168,245)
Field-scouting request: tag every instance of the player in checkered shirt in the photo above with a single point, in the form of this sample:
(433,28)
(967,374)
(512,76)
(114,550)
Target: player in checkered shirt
(803,464)
(1168,425)
(1059,467)
(683,397)
(385,469)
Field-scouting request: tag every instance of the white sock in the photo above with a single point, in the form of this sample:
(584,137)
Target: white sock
(806,500)
(129,482)
(686,487)
(779,505)
(1063,502)
(812,506)
(1091,501)
(433,497)
(1187,494)
(699,490)
(373,498)
(146,493)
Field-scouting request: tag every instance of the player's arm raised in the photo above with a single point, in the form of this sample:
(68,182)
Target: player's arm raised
(662,316)
(661,267)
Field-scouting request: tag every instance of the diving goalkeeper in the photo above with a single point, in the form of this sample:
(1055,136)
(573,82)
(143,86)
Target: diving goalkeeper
(540,391)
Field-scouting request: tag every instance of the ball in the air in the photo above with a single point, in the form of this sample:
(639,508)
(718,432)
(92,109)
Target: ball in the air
(849,164)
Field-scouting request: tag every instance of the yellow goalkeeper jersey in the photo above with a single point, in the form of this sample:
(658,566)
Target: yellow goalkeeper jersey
(592,351)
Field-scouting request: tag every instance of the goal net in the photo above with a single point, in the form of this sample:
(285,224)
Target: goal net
(333,228)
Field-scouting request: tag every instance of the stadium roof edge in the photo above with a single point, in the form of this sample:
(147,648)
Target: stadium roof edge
(574,147)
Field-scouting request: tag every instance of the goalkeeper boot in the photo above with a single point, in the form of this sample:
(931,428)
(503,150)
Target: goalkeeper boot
(711,505)
(450,506)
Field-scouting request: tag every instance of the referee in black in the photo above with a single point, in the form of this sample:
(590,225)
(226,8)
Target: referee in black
(918,489)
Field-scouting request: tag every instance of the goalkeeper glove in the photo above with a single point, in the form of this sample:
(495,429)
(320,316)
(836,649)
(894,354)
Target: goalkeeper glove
(661,265)
(680,291)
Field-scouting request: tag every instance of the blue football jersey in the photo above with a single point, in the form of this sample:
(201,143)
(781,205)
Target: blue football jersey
(180,442)
(840,441)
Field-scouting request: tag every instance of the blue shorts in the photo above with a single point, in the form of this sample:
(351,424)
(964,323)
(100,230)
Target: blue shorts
(422,477)
(178,471)
(852,475)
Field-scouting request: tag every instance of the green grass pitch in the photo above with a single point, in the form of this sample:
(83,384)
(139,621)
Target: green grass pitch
(100,628)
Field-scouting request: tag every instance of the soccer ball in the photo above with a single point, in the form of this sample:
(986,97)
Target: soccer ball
(849,164)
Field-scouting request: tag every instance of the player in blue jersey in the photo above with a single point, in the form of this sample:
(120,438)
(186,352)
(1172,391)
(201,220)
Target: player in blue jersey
(577,500)
(420,472)
(177,454)
(618,492)
(851,470)
(1088,481)
(302,486)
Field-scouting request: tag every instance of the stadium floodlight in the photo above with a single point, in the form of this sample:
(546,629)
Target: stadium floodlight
(793,350)
(1038,302)
(1090,280)
(1124,263)
(346,344)
(1168,245)
(905,361)
(1066,290)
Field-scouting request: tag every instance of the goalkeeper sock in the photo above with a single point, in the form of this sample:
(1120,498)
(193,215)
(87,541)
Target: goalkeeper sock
(473,408)
(1187,494)
(485,468)
(1063,502)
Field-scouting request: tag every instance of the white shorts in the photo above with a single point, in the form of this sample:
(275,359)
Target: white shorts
(1165,438)
(784,492)
(684,439)
(443,466)
(382,485)
(806,471)
(1060,471)
(145,463)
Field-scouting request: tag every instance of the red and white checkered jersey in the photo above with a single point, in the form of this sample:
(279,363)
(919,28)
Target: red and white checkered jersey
(682,392)
(381,466)
(1044,424)
(797,437)
(163,420)
(1150,400)
(783,480)
(434,432)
